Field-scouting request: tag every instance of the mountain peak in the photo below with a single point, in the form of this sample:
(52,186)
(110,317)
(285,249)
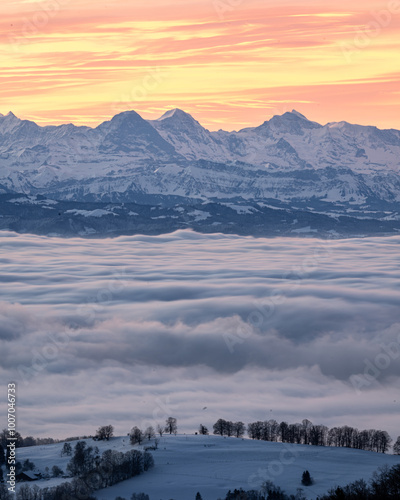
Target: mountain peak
(291,115)
(178,120)
(177,113)
(296,113)
(293,122)
(126,114)
(9,122)
(130,118)
(10,117)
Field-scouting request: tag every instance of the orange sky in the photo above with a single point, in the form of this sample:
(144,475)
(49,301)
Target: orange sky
(230,63)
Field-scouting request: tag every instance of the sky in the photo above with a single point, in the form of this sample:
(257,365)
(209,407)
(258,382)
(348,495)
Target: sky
(230,63)
(199,327)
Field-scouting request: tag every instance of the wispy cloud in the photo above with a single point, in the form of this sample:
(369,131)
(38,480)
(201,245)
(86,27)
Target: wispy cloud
(85,53)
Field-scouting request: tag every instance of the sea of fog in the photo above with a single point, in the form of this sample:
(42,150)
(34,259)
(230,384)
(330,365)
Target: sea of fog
(129,331)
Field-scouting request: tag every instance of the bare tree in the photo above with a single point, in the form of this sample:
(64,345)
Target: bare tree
(149,433)
(136,436)
(219,427)
(318,435)
(239,429)
(228,428)
(105,432)
(140,496)
(56,471)
(255,429)
(160,430)
(171,425)
(203,430)
(82,461)
(284,432)
(29,441)
(396,447)
(66,450)
(383,441)
(306,426)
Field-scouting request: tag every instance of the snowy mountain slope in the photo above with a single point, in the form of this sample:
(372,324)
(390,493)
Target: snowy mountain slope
(190,139)
(212,465)
(288,141)
(39,215)
(33,157)
(287,158)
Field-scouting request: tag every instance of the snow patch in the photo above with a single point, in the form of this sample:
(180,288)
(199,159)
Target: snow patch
(31,200)
(241,209)
(93,213)
(304,230)
(199,215)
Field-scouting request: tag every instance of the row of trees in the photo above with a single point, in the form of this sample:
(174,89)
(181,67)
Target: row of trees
(103,433)
(115,466)
(27,441)
(349,437)
(384,485)
(32,441)
(307,433)
(85,459)
(91,472)
(268,492)
(227,428)
(137,436)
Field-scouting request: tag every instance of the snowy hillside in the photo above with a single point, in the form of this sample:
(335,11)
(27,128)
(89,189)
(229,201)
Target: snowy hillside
(287,158)
(212,465)
(40,215)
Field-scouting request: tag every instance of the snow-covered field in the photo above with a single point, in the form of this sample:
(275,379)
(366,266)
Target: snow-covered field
(186,464)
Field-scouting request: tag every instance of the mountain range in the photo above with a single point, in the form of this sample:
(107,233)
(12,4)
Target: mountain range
(285,158)
(288,161)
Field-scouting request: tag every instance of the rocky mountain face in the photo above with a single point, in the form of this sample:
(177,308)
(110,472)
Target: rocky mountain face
(288,159)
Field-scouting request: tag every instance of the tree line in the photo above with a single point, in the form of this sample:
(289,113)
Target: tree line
(384,485)
(103,433)
(21,441)
(307,433)
(91,472)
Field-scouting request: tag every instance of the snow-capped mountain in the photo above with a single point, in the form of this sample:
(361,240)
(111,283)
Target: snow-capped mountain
(287,158)
(190,139)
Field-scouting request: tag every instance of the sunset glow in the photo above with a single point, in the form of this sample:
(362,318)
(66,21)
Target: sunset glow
(230,63)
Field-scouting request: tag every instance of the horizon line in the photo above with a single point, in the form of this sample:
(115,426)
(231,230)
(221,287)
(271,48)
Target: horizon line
(293,111)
